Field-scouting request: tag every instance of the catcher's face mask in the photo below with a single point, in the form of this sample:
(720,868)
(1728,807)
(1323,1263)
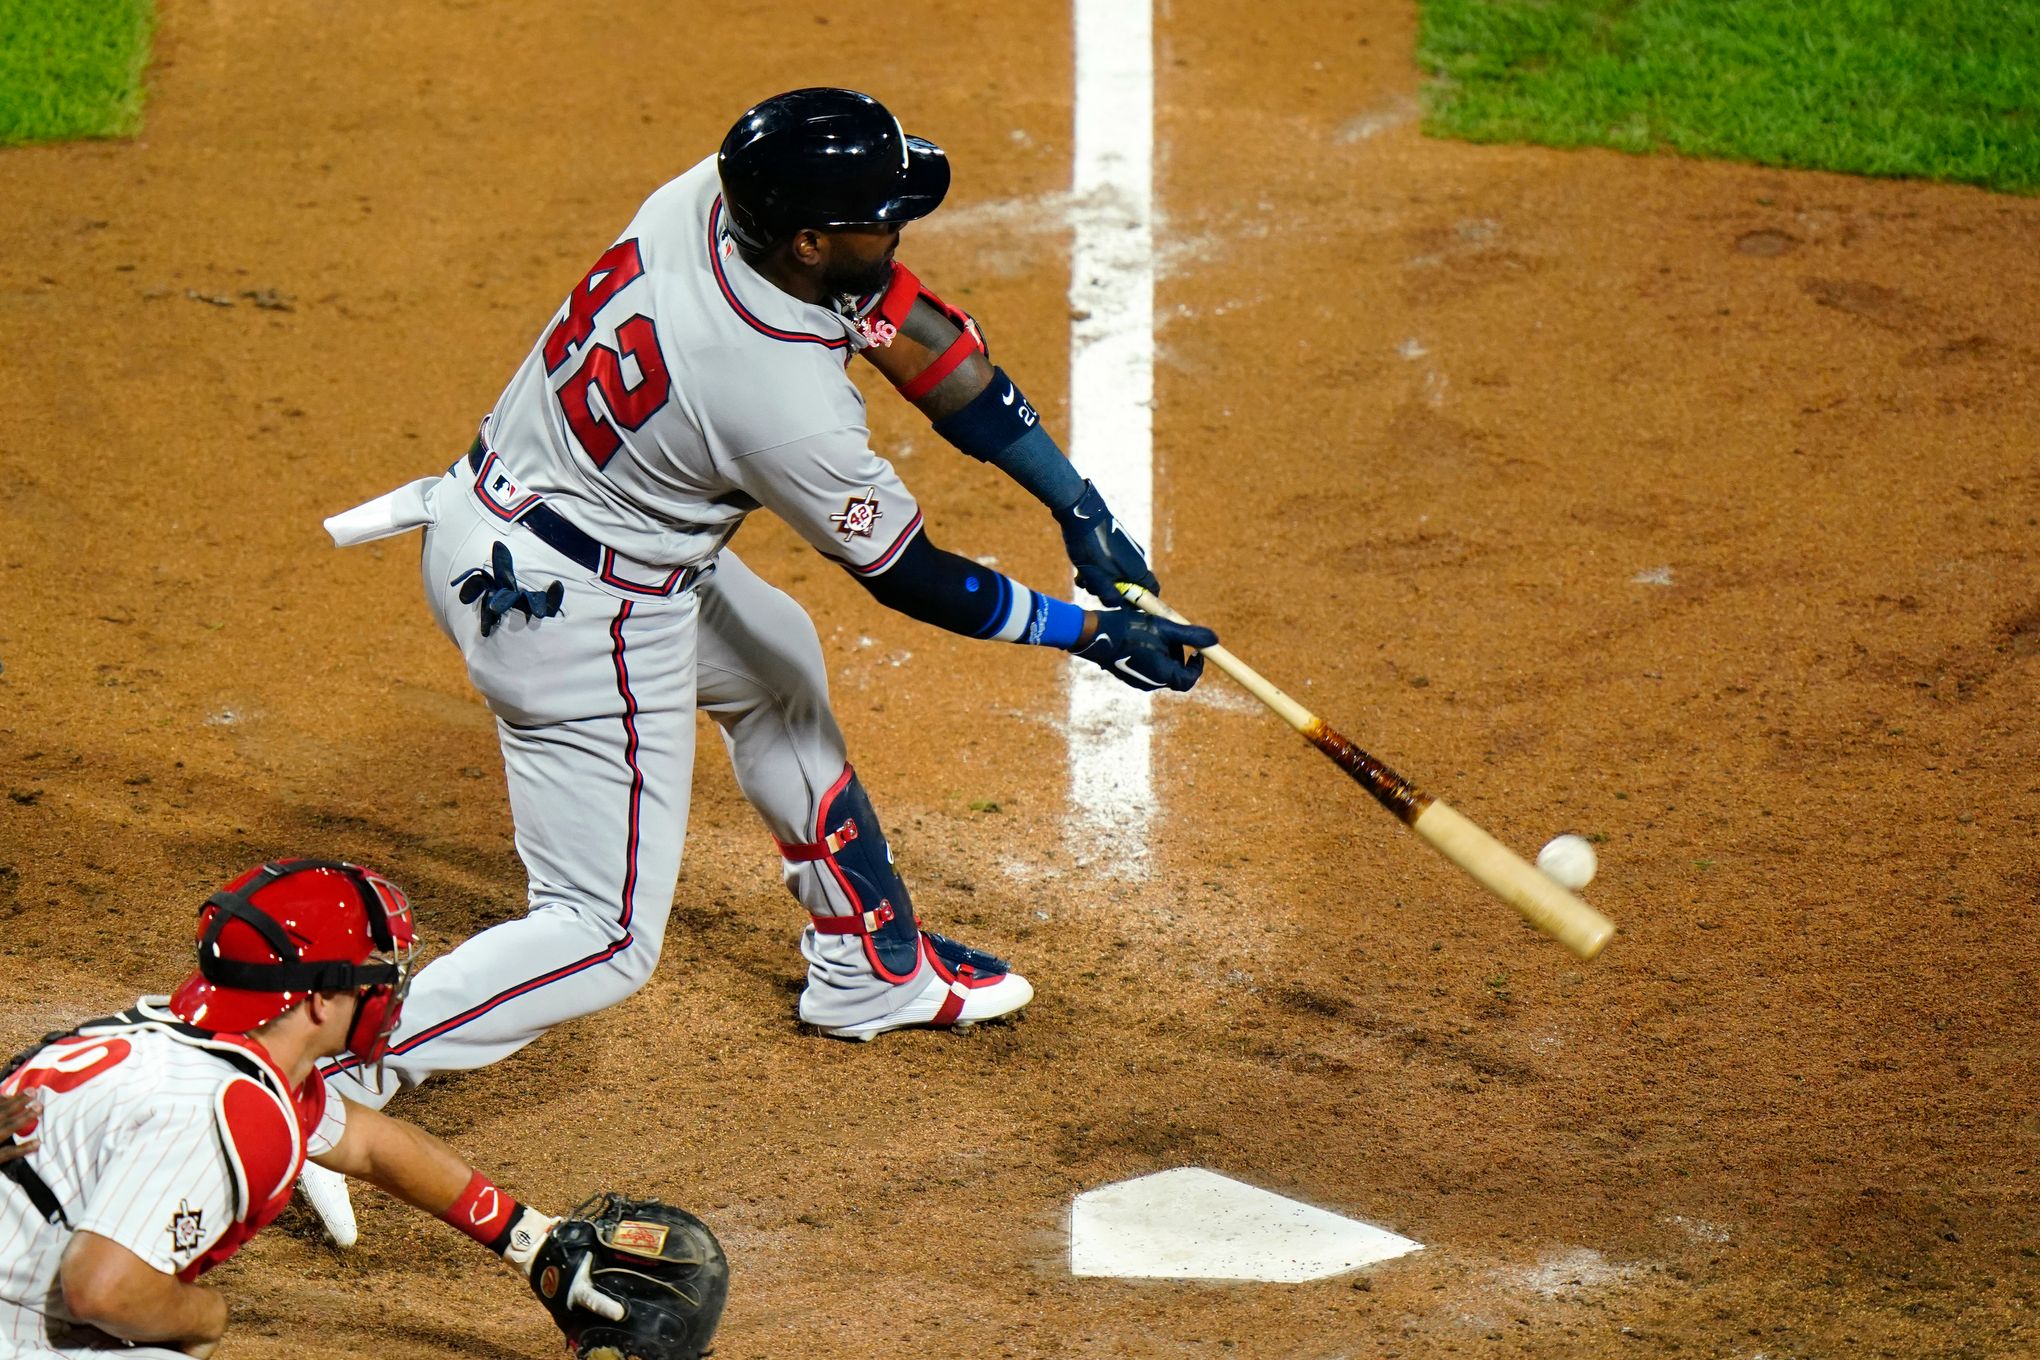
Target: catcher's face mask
(381,1007)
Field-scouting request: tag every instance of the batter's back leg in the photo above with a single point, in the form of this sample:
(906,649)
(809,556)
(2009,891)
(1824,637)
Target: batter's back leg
(871,968)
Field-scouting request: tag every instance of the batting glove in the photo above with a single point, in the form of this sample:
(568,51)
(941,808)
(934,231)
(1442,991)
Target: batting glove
(498,593)
(1103,553)
(1147,652)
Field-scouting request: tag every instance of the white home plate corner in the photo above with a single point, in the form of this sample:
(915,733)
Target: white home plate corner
(1193,1224)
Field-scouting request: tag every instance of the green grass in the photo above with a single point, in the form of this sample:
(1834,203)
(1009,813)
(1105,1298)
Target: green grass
(72,68)
(1937,89)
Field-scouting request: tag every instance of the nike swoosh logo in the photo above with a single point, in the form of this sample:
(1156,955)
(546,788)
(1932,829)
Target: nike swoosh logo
(1011,392)
(1120,665)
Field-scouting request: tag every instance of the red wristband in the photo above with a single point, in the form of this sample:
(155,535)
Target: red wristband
(484,1213)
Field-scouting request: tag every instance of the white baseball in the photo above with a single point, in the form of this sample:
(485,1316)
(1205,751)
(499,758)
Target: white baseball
(1569,860)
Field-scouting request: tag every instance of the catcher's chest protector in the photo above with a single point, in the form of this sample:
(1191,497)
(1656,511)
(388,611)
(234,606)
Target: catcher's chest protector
(261,1124)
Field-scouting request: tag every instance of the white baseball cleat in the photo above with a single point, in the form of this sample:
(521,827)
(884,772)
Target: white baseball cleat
(327,1193)
(963,987)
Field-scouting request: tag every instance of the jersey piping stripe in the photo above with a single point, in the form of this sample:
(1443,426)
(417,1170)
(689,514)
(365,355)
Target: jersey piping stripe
(508,513)
(673,581)
(630,877)
(730,294)
(451,1023)
(454,1022)
(892,554)
(630,750)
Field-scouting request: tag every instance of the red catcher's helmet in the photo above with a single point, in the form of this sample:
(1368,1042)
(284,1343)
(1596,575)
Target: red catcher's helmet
(292,927)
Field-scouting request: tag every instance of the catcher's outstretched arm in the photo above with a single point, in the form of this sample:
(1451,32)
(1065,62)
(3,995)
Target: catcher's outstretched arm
(424,1172)
(402,1158)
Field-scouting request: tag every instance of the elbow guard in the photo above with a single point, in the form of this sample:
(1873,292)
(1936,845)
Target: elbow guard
(890,313)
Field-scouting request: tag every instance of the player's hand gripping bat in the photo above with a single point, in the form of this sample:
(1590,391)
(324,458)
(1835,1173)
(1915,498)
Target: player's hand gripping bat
(1542,902)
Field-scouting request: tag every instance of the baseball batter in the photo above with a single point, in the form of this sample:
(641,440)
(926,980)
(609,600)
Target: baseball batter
(578,555)
(141,1150)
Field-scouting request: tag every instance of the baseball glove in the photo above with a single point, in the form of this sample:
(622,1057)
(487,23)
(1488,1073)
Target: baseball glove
(662,1264)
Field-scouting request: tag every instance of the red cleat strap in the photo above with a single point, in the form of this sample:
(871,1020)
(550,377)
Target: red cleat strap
(952,1006)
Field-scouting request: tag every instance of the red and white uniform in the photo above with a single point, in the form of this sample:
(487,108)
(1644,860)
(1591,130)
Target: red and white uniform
(676,392)
(178,1145)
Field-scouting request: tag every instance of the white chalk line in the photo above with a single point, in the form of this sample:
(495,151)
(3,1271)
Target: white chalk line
(1112,350)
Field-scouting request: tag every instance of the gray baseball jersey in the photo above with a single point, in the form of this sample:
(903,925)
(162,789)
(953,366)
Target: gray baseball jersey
(675,392)
(678,390)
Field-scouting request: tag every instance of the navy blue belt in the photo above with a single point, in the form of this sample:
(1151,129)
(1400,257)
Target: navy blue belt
(559,533)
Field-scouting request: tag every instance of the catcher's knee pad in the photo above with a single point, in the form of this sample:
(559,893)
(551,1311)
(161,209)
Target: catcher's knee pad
(852,850)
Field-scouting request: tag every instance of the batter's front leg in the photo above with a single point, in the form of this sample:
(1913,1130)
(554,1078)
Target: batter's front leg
(870,967)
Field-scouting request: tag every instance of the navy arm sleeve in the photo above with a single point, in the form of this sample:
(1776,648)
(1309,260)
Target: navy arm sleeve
(937,587)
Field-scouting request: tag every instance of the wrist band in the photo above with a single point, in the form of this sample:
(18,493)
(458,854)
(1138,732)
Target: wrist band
(972,599)
(484,1213)
(1030,617)
(1054,623)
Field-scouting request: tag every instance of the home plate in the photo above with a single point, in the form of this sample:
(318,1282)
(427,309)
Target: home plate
(1193,1224)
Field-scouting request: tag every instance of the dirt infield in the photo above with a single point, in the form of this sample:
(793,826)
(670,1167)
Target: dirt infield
(1692,506)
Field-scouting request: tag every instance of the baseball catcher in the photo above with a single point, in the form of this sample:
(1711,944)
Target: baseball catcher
(140,1150)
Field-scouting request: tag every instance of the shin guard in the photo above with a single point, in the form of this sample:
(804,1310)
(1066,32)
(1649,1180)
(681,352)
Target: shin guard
(852,849)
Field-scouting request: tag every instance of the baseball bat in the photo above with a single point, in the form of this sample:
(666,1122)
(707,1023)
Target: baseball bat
(1540,900)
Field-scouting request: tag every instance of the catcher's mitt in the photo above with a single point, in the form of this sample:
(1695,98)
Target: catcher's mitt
(661,1263)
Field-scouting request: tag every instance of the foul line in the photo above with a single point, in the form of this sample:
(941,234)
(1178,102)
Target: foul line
(1112,351)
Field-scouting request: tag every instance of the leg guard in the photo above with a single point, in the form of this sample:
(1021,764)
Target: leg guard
(851,845)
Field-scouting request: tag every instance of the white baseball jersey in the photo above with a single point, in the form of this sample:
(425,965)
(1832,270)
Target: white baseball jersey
(678,390)
(149,1137)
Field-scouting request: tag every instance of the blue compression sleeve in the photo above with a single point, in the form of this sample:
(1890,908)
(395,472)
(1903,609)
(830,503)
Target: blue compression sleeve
(1000,427)
(955,593)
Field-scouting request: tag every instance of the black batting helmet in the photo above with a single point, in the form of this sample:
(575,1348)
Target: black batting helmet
(824,157)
